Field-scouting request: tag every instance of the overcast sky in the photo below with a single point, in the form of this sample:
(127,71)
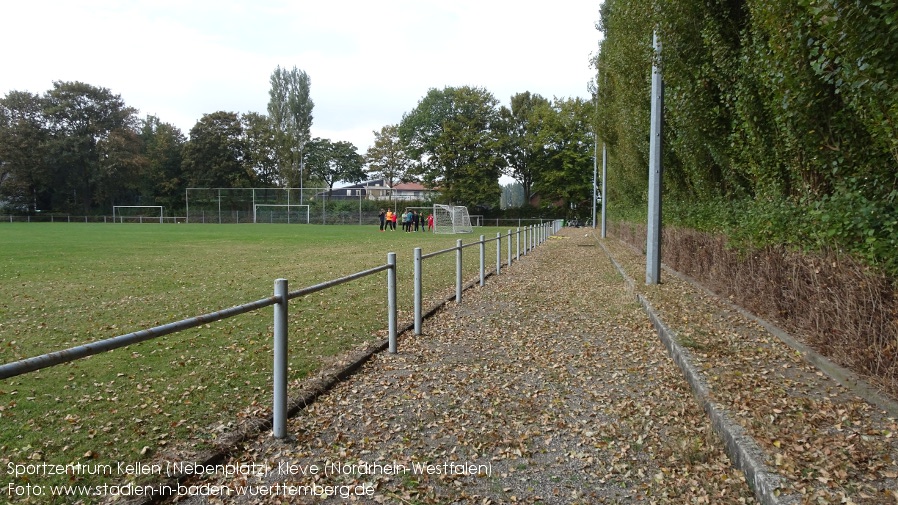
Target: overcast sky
(369,61)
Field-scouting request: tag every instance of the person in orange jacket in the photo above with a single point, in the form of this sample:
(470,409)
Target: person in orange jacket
(391,219)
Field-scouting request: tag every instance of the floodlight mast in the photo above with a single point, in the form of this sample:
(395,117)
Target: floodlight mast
(653,233)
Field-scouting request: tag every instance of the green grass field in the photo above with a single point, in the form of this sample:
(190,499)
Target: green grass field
(63,285)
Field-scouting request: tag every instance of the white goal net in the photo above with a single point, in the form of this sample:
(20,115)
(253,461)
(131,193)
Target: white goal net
(451,219)
(277,213)
(138,213)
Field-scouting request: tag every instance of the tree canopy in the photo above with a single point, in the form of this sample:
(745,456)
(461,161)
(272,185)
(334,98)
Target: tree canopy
(79,148)
(290,111)
(454,134)
(387,159)
(335,161)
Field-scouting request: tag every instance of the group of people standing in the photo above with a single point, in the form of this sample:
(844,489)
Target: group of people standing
(412,221)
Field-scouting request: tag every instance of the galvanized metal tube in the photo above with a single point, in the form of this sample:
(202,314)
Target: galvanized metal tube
(498,252)
(482,261)
(418,289)
(335,282)
(508,244)
(604,193)
(391,301)
(57,357)
(279,408)
(437,253)
(458,272)
(526,240)
(653,228)
(517,249)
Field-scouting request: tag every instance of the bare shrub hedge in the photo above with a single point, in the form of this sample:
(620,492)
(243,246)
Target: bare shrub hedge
(836,305)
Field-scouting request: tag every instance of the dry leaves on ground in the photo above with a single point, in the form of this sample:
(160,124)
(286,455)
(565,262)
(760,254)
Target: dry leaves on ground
(549,385)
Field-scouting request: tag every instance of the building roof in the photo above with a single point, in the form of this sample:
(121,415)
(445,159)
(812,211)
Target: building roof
(410,186)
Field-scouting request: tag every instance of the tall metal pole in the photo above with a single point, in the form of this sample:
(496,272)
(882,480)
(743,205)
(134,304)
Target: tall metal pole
(604,188)
(595,153)
(653,235)
(595,171)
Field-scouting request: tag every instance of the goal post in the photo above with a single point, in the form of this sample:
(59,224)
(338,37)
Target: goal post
(451,219)
(119,216)
(280,213)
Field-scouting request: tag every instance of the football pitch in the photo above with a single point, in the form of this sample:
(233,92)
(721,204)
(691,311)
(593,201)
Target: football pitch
(63,285)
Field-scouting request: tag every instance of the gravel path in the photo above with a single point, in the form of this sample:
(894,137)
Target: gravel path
(549,385)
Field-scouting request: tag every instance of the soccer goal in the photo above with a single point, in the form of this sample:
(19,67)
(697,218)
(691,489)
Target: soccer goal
(130,213)
(280,213)
(451,219)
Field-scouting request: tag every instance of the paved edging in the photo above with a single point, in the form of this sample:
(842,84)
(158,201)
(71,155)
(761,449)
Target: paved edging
(742,449)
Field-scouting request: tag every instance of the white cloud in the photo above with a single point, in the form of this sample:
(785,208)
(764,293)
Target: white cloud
(369,62)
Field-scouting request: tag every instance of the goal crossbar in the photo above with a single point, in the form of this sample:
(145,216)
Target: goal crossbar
(120,217)
(288,206)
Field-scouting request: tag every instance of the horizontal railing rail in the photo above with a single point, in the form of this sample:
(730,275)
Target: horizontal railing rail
(82,351)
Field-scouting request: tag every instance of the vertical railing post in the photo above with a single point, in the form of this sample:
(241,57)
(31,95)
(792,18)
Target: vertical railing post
(517,248)
(458,265)
(482,261)
(279,407)
(391,301)
(418,295)
(508,244)
(498,252)
(526,240)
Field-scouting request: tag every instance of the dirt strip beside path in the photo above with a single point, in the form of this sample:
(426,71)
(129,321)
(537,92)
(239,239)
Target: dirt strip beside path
(549,385)
(827,444)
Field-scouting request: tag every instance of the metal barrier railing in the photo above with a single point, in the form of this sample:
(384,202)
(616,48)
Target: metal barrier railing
(533,235)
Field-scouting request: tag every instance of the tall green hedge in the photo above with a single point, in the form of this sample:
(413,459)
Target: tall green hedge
(781,118)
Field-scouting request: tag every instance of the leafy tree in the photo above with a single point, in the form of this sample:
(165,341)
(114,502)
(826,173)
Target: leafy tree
(163,144)
(261,148)
(513,196)
(788,108)
(91,144)
(335,161)
(455,133)
(122,169)
(215,155)
(290,109)
(525,155)
(24,171)
(387,158)
(567,137)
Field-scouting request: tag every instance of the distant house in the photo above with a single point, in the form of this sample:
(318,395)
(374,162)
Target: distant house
(368,190)
(412,191)
(379,190)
